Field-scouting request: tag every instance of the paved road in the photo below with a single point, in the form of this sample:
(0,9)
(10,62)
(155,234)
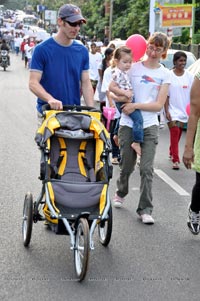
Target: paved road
(159,262)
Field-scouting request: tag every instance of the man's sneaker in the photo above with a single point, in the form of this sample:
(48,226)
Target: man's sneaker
(193,222)
(117,201)
(146,219)
(115,161)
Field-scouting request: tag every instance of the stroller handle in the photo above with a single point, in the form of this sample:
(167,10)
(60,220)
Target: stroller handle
(75,108)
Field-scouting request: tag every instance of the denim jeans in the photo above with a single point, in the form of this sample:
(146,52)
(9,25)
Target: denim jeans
(128,161)
(137,130)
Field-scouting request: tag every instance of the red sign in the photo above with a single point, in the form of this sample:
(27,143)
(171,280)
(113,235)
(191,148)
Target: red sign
(177,16)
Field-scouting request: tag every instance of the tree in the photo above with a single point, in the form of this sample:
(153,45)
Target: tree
(129,16)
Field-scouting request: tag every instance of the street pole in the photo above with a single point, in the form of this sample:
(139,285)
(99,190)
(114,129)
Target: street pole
(151,17)
(193,21)
(110,21)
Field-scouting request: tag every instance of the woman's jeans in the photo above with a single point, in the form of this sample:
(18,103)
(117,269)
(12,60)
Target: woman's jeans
(137,130)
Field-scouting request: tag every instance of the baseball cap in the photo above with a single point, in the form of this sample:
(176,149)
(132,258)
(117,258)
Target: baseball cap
(71,13)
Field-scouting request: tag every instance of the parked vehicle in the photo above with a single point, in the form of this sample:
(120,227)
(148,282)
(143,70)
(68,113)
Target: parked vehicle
(195,67)
(117,43)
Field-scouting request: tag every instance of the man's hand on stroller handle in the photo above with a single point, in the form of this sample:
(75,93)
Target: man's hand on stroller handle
(55,104)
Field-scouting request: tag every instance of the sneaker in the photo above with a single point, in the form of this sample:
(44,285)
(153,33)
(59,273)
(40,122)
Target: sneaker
(193,222)
(175,166)
(117,201)
(146,219)
(161,125)
(115,161)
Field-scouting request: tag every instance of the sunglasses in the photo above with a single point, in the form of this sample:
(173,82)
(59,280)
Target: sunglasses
(74,24)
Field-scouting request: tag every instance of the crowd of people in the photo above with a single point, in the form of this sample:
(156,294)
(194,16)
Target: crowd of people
(21,45)
(136,91)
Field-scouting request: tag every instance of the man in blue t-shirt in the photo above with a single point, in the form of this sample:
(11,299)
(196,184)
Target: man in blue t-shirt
(59,69)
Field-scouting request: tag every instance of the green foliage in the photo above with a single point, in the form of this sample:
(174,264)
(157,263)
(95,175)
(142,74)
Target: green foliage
(184,38)
(129,17)
(196,38)
(138,18)
(94,12)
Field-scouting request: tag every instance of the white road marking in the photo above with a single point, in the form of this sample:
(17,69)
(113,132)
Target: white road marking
(171,182)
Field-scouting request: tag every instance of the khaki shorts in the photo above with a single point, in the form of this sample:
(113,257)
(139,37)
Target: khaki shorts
(176,123)
(94,83)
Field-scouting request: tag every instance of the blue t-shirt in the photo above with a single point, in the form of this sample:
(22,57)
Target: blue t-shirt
(61,68)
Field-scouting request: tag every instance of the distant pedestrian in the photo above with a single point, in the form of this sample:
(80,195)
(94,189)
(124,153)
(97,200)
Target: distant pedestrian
(95,58)
(177,101)
(106,62)
(17,43)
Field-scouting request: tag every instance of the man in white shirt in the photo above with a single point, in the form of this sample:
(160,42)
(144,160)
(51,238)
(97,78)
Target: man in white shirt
(95,58)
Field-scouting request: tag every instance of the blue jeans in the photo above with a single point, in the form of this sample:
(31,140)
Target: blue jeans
(136,116)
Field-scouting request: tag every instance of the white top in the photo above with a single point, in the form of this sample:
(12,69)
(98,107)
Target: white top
(179,95)
(94,61)
(18,41)
(28,51)
(122,79)
(107,78)
(146,84)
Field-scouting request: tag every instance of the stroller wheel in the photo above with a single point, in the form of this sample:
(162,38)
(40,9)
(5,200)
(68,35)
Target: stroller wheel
(105,229)
(81,251)
(27,219)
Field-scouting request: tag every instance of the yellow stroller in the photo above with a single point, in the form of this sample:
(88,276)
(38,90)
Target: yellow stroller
(75,171)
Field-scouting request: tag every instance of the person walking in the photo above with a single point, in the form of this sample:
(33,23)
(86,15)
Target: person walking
(191,155)
(23,43)
(150,82)
(60,65)
(110,103)
(17,43)
(175,106)
(95,58)
(28,49)
(108,54)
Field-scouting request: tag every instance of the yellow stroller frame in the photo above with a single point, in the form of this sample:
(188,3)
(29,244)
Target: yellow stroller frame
(75,173)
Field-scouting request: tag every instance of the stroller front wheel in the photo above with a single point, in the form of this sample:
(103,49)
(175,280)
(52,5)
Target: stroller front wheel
(105,229)
(81,251)
(27,219)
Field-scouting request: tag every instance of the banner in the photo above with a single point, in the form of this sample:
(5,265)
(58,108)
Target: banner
(177,16)
(51,16)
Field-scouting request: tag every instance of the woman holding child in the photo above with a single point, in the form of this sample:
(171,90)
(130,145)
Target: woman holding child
(150,81)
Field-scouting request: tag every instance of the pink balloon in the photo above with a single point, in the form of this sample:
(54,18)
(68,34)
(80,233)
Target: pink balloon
(138,45)
(188,109)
